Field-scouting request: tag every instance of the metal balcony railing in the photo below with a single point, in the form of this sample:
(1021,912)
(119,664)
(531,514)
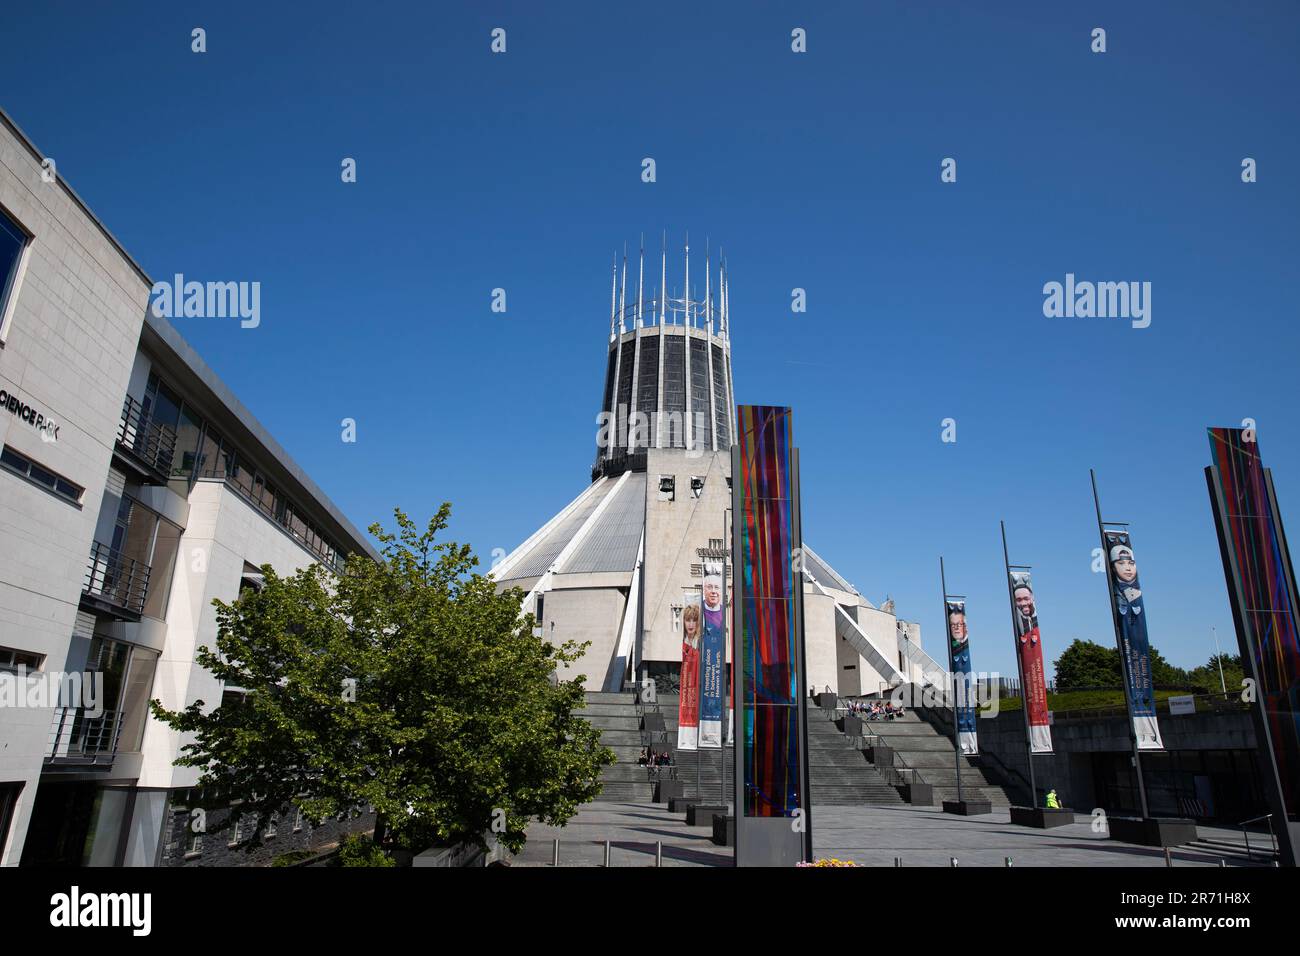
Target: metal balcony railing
(116,580)
(76,737)
(152,443)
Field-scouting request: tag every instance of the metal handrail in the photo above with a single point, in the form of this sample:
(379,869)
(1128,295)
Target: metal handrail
(1246,833)
(115,578)
(76,736)
(152,442)
(891,772)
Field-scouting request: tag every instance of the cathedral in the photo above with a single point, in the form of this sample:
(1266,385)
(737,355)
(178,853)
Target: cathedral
(619,565)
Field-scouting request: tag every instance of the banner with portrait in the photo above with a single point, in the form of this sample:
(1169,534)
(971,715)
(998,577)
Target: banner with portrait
(713,658)
(1029,653)
(959,666)
(1131,636)
(688,706)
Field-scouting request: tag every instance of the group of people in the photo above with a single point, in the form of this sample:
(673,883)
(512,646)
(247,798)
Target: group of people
(875,709)
(652,758)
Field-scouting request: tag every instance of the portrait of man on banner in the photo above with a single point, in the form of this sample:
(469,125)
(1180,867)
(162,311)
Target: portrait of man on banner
(959,655)
(1029,650)
(713,660)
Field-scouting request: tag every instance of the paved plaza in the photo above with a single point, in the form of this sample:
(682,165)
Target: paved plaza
(869,836)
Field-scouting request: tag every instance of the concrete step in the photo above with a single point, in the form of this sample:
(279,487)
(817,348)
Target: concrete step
(994,795)
(610,697)
(608,710)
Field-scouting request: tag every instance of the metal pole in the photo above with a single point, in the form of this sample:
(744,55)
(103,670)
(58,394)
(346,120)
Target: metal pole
(1218,653)
(1119,643)
(952,678)
(1020,668)
(555,853)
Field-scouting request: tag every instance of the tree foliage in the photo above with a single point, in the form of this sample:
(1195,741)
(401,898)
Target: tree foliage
(409,684)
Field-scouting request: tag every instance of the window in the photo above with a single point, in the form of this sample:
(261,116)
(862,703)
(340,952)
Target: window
(41,476)
(667,488)
(697,485)
(8,800)
(14,242)
(11,660)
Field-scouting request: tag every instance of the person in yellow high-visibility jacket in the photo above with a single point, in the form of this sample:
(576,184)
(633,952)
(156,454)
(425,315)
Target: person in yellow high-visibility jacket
(1052,802)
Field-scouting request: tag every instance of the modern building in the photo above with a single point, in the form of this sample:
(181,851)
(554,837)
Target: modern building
(615,567)
(134,490)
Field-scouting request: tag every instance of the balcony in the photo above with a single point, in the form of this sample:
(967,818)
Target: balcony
(145,446)
(78,741)
(115,584)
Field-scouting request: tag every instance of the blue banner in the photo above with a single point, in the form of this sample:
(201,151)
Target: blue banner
(959,664)
(1131,635)
(712,658)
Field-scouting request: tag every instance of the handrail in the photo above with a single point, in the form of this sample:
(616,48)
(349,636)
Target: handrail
(1246,833)
(152,442)
(890,773)
(115,578)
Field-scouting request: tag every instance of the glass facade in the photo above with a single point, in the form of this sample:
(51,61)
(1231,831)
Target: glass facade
(701,426)
(721,405)
(674,435)
(647,386)
(202,452)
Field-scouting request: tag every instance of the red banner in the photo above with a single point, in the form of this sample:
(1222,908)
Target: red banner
(688,708)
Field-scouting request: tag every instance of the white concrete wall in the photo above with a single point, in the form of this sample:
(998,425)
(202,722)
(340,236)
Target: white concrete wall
(223,532)
(68,352)
(585,614)
(674,531)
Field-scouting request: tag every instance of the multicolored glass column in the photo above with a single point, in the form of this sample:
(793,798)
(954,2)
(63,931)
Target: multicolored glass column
(772,821)
(1262,589)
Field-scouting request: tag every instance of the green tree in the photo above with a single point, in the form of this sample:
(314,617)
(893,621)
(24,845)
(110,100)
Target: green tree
(1087,664)
(408,684)
(1206,677)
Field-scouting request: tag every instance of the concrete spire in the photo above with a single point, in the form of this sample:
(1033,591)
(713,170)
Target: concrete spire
(640,284)
(686,288)
(663,279)
(613,301)
(622,295)
(708,290)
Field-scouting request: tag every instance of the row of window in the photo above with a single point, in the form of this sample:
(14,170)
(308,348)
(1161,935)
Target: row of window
(11,659)
(41,475)
(201,452)
(239,832)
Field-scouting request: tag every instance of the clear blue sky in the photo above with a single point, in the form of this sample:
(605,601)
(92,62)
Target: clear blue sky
(818,171)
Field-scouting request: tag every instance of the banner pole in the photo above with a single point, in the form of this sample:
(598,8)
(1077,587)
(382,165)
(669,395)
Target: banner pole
(1119,645)
(1020,668)
(952,678)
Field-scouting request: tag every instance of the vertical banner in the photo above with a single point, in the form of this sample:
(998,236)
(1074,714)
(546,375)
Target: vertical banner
(1262,587)
(688,706)
(1029,651)
(959,665)
(713,660)
(1131,635)
(770,776)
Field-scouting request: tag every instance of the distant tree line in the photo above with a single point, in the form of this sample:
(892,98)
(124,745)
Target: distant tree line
(1089,664)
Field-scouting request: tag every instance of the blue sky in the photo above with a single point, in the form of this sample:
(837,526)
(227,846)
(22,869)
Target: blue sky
(818,171)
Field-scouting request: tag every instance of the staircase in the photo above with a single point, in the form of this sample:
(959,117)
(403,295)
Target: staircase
(614,714)
(838,771)
(925,750)
(1235,852)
